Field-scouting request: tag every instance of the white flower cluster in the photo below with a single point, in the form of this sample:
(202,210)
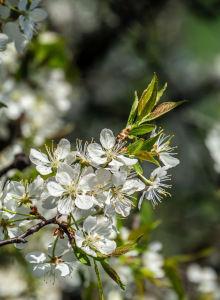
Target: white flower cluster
(20,30)
(82,184)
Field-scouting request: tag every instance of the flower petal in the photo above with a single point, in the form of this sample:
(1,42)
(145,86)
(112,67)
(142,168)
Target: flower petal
(40,270)
(89,223)
(66,205)
(55,189)
(107,139)
(84,201)
(36,257)
(63,149)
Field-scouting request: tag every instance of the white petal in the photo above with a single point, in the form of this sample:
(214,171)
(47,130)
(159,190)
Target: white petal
(123,207)
(3,41)
(43,170)
(141,200)
(62,269)
(34,4)
(84,201)
(107,139)
(69,256)
(131,186)
(168,160)
(55,189)
(103,176)
(49,202)
(2,236)
(41,269)
(71,158)
(63,149)
(36,257)
(106,246)
(16,189)
(88,182)
(38,158)
(95,150)
(79,237)
(89,251)
(22,5)
(66,205)
(126,160)
(119,178)
(66,174)
(89,223)
(37,15)
(115,165)
(36,187)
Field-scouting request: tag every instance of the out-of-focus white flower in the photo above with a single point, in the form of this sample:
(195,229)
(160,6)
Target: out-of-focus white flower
(32,19)
(95,237)
(62,154)
(156,191)
(164,151)
(153,261)
(11,29)
(205,277)
(213,144)
(57,262)
(109,152)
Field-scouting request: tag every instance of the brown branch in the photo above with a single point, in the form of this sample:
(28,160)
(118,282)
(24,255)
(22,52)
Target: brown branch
(33,229)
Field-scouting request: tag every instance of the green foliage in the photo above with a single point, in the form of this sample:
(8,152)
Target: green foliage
(127,247)
(111,272)
(82,256)
(164,108)
(141,129)
(144,155)
(149,143)
(136,146)
(138,168)
(134,108)
(171,270)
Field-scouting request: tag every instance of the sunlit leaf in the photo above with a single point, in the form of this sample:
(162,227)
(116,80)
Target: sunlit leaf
(82,256)
(141,129)
(144,155)
(126,248)
(164,108)
(133,112)
(111,272)
(160,93)
(149,143)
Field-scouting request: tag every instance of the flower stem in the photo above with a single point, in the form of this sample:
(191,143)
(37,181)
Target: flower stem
(99,280)
(14,9)
(21,214)
(145,179)
(54,246)
(95,214)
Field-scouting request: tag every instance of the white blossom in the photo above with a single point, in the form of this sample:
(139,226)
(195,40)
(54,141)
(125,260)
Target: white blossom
(164,151)
(57,262)
(153,261)
(120,199)
(25,193)
(156,189)
(94,237)
(109,152)
(62,154)
(32,19)
(72,188)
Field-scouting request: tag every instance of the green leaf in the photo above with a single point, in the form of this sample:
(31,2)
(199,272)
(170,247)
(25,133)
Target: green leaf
(138,168)
(99,280)
(136,146)
(133,112)
(2,105)
(126,248)
(163,108)
(170,268)
(149,143)
(144,155)
(160,93)
(141,129)
(148,99)
(82,256)
(111,272)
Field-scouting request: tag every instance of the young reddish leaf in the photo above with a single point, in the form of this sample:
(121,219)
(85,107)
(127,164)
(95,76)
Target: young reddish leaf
(163,108)
(126,248)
